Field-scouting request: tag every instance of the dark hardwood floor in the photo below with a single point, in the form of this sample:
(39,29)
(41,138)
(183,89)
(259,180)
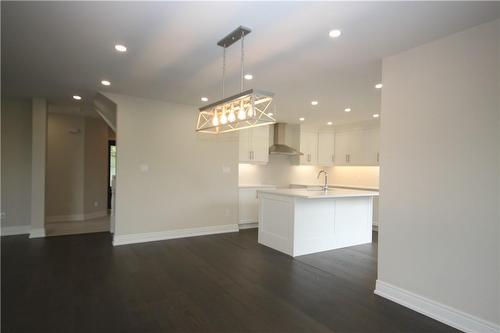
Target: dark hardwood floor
(219,283)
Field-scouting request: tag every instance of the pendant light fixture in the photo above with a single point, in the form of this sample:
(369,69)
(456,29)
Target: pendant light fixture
(249,108)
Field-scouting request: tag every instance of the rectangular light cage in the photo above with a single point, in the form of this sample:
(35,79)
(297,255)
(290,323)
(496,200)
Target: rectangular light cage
(250,108)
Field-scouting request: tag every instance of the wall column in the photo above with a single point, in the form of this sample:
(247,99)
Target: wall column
(38,163)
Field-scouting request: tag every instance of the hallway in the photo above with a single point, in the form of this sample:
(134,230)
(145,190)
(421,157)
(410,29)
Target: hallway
(99,224)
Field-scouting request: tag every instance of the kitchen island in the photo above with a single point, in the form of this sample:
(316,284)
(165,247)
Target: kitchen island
(301,221)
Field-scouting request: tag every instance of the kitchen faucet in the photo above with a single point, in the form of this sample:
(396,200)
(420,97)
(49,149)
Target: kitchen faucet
(325,185)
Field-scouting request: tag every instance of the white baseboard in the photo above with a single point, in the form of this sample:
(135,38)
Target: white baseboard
(248,225)
(76,217)
(37,233)
(171,234)
(15,230)
(443,313)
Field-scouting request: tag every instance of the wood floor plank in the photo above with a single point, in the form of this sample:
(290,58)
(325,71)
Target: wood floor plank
(216,283)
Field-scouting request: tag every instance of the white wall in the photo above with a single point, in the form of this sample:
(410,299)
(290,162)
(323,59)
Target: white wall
(16,162)
(168,176)
(440,144)
(38,166)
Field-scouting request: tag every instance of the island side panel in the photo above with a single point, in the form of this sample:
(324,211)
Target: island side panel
(353,221)
(314,226)
(276,216)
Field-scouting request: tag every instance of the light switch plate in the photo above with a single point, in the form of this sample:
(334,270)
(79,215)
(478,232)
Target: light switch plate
(226,169)
(144,167)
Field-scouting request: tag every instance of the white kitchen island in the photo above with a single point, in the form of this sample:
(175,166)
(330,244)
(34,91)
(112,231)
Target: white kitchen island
(301,221)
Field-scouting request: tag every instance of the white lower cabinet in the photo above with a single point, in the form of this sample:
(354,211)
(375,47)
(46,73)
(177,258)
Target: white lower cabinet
(248,204)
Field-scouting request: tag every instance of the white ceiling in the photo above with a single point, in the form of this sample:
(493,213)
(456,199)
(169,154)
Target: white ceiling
(57,49)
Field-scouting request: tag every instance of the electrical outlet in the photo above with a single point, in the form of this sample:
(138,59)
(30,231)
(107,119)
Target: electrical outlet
(96,204)
(228,212)
(3,215)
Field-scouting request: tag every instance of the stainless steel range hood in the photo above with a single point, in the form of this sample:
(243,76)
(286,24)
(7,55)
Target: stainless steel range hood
(280,147)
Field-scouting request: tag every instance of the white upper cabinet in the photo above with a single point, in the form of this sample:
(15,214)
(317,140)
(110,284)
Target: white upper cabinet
(254,145)
(244,148)
(342,149)
(309,147)
(326,148)
(358,146)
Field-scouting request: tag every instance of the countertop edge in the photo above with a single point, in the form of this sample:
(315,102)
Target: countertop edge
(333,196)
(356,187)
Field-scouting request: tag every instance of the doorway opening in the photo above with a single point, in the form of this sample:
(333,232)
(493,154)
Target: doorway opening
(111,169)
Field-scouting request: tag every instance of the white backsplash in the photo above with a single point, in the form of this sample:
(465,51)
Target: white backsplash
(281,172)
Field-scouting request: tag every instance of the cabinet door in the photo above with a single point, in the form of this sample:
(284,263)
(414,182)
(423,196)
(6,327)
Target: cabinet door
(245,146)
(342,149)
(248,205)
(326,145)
(309,146)
(356,148)
(260,144)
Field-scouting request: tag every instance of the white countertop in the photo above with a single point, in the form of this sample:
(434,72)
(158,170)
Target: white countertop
(314,194)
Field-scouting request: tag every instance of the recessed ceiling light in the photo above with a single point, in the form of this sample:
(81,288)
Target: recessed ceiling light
(77,97)
(105,83)
(248,76)
(204,99)
(302,119)
(347,109)
(329,123)
(314,103)
(376,115)
(335,33)
(270,114)
(379,86)
(120,48)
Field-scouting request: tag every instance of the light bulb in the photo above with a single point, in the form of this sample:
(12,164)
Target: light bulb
(241,114)
(223,118)
(250,111)
(231,116)
(215,120)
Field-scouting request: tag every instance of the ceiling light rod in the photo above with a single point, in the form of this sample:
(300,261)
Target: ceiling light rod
(230,39)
